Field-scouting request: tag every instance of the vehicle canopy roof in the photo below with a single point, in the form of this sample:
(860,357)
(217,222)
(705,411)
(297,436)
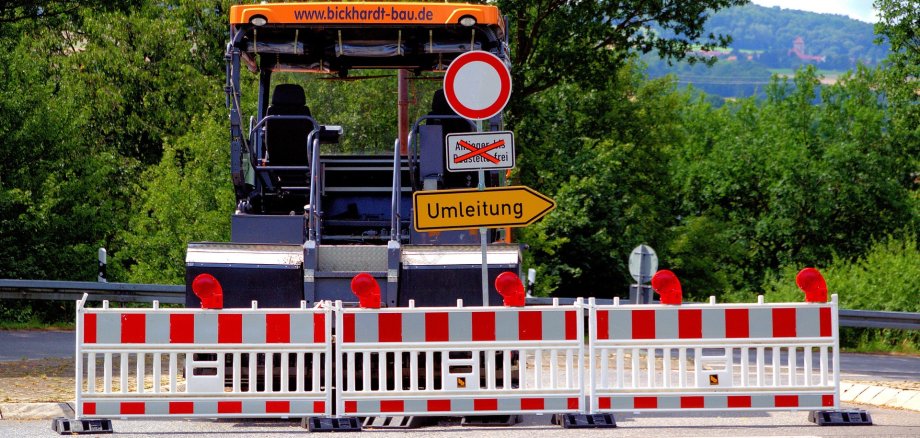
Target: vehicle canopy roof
(333,37)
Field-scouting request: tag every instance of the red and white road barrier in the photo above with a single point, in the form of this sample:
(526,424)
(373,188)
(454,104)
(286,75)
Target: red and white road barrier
(387,358)
(713,357)
(203,363)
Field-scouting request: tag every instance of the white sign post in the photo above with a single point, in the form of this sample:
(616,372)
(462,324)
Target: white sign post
(477,86)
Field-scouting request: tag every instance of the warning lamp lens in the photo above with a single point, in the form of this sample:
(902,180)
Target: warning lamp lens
(468,21)
(209,291)
(368,291)
(511,289)
(810,281)
(668,287)
(258,21)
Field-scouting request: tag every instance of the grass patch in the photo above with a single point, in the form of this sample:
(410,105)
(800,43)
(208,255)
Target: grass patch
(35,324)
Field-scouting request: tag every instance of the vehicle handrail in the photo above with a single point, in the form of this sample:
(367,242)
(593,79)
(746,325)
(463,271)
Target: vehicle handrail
(313,218)
(397,192)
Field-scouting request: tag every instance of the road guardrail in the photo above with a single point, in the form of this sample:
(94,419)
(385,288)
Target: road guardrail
(175,294)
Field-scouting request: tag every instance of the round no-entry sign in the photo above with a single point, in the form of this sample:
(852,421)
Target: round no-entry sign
(477,85)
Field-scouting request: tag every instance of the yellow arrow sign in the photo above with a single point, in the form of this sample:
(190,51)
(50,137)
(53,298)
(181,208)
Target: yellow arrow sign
(517,206)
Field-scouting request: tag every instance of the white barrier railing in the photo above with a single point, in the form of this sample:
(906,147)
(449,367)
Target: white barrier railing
(203,363)
(713,357)
(458,361)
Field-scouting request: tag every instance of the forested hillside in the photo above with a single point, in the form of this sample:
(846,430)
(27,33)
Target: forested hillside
(764,43)
(115,135)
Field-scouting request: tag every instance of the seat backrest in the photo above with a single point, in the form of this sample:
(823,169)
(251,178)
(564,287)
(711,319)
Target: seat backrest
(286,140)
(440,107)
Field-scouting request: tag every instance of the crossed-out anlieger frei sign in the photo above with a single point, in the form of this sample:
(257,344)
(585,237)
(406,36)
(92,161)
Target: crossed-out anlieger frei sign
(513,206)
(480,150)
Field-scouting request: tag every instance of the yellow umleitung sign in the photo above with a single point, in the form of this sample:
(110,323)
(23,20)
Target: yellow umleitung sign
(517,206)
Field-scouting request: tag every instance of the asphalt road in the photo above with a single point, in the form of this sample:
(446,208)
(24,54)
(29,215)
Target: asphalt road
(888,423)
(16,345)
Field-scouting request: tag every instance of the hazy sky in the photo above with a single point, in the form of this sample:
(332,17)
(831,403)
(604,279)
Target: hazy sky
(858,9)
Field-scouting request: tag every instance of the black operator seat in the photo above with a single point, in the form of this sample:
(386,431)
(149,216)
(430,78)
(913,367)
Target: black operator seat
(286,140)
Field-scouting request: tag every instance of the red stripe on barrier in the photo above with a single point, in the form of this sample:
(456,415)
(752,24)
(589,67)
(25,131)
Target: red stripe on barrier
(645,402)
(571,325)
(229,407)
(319,407)
(483,326)
(825,315)
(737,323)
(643,324)
(532,404)
(692,402)
(827,400)
(181,408)
(351,406)
(319,328)
(603,403)
(530,326)
(573,403)
(485,404)
(181,328)
(131,408)
(437,327)
(278,407)
(603,326)
(392,405)
(348,320)
(278,328)
(690,323)
(439,405)
(786,401)
(230,328)
(89,408)
(739,401)
(89,328)
(389,327)
(133,328)
(784,323)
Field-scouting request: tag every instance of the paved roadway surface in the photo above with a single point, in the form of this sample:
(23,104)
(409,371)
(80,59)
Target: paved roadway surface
(888,423)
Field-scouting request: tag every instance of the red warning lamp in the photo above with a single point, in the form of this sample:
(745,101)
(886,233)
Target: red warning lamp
(209,291)
(810,281)
(511,289)
(668,287)
(368,291)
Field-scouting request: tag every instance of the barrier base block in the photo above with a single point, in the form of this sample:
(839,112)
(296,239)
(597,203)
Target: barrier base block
(842,417)
(585,421)
(490,420)
(397,422)
(70,426)
(328,424)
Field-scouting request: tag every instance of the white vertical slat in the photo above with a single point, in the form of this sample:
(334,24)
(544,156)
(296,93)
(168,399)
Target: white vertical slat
(538,368)
(352,372)
(413,371)
(682,367)
(429,370)
(823,365)
(635,368)
(650,366)
(253,372)
(139,371)
(318,358)
(382,371)
(569,371)
(123,368)
(806,370)
(490,369)
(285,372)
(366,371)
(397,371)
(776,366)
(91,373)
(791,365)
(621,372)
(506,369)
(174,371)
(666,366)
(761,379)
(553,368)
(269,372)
(237,372)
(604,365)
(745,366)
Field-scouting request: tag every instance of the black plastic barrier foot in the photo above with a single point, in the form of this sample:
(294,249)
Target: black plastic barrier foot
(849,417)
(585,421)
(69,426)
(327,424)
